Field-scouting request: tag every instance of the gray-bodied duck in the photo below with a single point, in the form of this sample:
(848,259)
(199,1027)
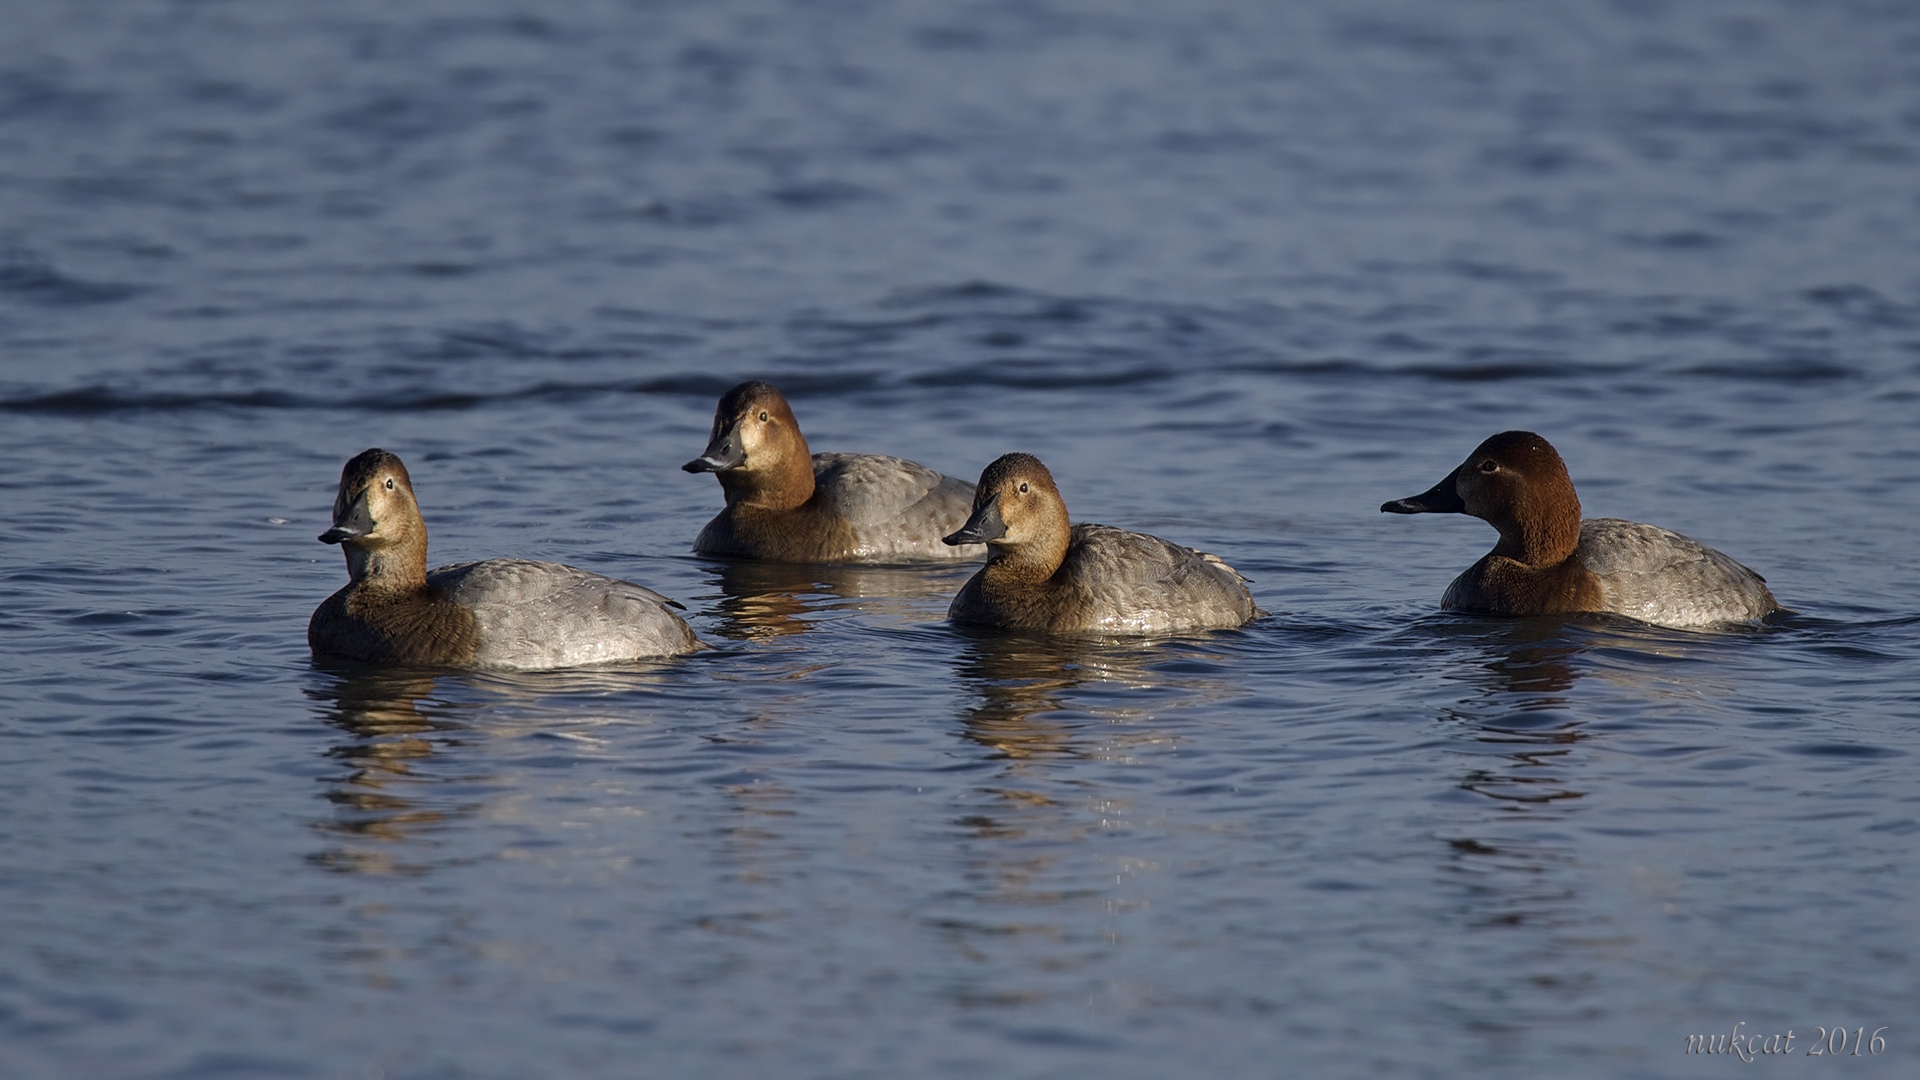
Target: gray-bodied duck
(1046,574)
(785,504)
(1549,561)
(509,614)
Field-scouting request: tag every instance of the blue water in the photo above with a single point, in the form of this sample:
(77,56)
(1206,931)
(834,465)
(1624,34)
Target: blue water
(1237,271)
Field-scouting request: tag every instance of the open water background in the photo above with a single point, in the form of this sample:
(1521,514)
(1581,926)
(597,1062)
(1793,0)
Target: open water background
(1237,271)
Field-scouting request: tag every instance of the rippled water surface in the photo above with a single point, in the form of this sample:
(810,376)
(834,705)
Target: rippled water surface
(1237,271)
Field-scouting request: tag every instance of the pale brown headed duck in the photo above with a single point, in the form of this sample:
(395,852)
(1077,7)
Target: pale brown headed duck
(1549,561)
(1043,574)
(787,505)
(502,613)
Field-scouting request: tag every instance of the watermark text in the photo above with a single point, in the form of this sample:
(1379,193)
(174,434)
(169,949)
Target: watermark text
(1753,1045)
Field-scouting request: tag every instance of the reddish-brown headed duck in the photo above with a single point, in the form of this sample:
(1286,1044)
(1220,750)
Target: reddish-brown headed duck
(502,613)
(1549,561)
(787,505)
(1043,574)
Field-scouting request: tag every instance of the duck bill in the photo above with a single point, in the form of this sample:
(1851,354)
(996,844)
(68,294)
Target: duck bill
(351,523)
(1441,498)
(723,452)
(983,527)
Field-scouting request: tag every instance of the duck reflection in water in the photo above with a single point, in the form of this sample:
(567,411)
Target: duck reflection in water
(1522,729)
(1518,731)
(1044,695)
(762,600)
(407,776)
(1519,709)
(388,736)
(1048,713)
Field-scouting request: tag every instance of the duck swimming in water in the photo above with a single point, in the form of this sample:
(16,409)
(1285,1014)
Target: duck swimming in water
(502,613)
(1549,561)
(1044,574)
(785,504)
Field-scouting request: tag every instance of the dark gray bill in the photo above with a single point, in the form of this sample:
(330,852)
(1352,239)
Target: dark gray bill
(1441,498)
(724,452)
(984,525)
(356,522)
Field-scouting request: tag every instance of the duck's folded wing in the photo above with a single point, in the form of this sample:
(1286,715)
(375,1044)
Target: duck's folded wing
(1142,584)
(893,500)
(1661,576)
(545,615)
(867,489)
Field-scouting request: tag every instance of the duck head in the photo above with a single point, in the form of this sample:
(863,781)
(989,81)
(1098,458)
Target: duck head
(756,448)
(1019,514)
(376,520)
(1516,482)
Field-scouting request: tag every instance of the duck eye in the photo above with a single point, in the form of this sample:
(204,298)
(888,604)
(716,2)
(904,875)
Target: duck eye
(1023,487)
(389,483)
(763,416)
(1489,466)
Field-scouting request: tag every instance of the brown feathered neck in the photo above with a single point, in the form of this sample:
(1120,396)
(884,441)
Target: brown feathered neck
(1517,482)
